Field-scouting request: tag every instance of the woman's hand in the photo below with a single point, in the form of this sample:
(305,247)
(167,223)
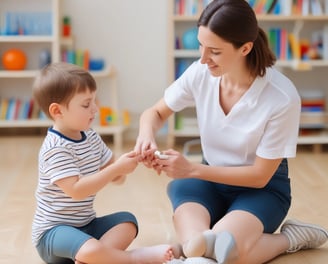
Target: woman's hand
(175,166)
(146,147)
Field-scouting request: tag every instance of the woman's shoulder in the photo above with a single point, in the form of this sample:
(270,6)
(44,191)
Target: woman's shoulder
(282,84)
(275,76)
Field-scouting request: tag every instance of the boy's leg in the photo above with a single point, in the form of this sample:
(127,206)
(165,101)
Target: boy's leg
(61,243)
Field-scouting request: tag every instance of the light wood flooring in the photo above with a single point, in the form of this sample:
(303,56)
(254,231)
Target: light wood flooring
(144,194)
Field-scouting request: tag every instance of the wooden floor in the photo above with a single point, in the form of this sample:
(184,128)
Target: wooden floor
(144,195)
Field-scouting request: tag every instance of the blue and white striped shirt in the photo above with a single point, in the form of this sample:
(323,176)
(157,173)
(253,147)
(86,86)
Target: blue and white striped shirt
(61,157)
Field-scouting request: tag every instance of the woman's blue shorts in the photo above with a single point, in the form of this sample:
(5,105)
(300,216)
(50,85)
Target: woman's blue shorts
(269,204)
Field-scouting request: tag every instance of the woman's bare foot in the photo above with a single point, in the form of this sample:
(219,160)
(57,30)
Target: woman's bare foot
(153,255)
(202,244)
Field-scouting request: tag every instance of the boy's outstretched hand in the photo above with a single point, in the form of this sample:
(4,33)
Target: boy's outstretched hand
(127,162)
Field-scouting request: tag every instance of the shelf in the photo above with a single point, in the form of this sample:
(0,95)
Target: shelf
(112,129)
(184,53)
(321,138)
(300,65)
(294,64)
(190,132)
(314,118)
(262,17)
(25,123)
(115,130)
(181,18)
(292,18)
(109,71)
(26,38)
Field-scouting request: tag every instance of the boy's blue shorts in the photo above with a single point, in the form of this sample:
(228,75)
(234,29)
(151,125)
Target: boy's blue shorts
(61,243)
(269,204)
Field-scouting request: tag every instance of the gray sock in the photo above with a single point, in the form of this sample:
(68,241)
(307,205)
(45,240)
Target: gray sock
(225,248)
(210,238)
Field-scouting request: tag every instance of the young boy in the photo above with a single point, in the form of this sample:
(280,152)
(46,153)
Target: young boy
(74,164)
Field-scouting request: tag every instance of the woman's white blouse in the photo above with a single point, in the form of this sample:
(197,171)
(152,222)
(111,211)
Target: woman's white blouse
(264,122)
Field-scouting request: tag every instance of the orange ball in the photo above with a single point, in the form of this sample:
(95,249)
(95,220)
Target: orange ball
(14,59)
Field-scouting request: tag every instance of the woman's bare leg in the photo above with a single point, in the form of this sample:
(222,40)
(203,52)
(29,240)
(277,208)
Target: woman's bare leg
(190,219)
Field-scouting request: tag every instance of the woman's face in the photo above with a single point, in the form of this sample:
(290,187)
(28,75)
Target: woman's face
(220,56)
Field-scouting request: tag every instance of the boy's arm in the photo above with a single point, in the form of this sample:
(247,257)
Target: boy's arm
(81,187)
(119,179)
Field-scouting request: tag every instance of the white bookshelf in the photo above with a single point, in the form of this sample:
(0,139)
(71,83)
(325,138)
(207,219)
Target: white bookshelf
(54,43)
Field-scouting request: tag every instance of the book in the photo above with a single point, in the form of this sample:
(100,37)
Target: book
(4,108)
(17,108)
(259,8)
(325,43)
(270,6)
(297,7)
(306,7)
(283,44)
(316,8)
(11,109)
(286,7)
(252,3)
(295,46)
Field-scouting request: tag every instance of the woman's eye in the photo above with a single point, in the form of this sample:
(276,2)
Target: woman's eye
(215,52)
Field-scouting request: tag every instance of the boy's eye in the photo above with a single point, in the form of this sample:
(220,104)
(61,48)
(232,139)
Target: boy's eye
(86,105)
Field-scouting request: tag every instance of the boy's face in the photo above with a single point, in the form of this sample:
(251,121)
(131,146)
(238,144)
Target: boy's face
(80,112)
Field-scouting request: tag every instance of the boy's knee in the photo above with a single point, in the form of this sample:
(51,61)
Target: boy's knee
(89,249)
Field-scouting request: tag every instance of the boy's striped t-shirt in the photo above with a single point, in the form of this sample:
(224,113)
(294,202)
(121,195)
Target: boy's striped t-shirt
(61,157)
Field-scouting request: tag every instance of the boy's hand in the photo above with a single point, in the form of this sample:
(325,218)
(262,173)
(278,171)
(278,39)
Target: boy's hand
(127,162)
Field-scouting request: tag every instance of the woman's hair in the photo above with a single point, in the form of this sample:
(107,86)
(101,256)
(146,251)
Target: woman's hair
(235,22)
(59,82)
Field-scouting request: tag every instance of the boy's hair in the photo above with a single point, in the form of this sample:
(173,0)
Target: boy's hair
(59,82)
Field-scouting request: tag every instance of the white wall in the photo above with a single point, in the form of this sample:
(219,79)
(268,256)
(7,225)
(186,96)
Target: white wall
(131,35)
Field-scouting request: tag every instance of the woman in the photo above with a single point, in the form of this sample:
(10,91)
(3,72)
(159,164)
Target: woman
(228,207)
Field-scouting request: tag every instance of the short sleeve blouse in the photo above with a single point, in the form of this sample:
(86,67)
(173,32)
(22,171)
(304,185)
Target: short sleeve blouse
(264,122)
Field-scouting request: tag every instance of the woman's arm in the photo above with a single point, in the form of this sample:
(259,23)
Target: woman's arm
(151,120)
(255,176)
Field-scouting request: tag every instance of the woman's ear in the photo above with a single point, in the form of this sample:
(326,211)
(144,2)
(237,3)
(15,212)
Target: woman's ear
(55,110)
(246,48)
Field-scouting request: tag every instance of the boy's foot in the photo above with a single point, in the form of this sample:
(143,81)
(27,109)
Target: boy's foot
(153,255)
(303,235)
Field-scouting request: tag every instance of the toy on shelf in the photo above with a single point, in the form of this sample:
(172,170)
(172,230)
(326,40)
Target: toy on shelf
(189,39)
(126,118)
(14,59)
(107,116)
(66,26)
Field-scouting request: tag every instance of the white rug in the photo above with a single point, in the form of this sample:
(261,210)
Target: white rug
(196,260)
